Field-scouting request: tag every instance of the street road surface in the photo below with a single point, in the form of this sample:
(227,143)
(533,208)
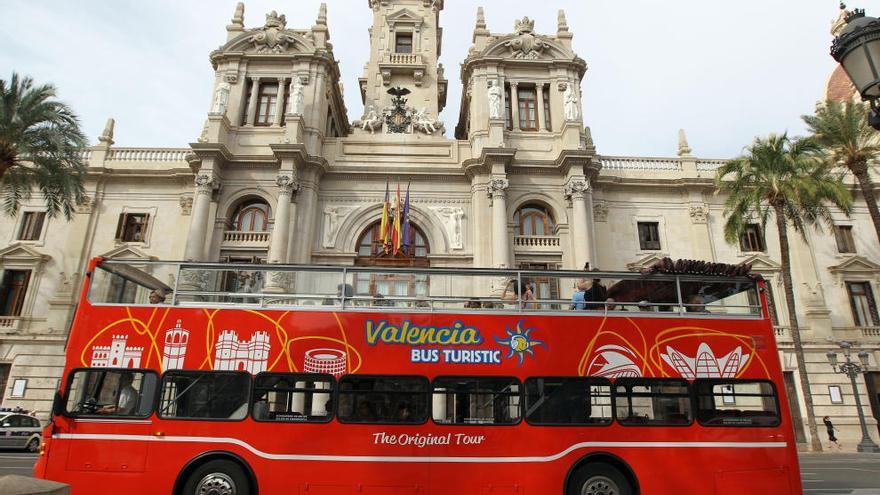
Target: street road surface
(822,474)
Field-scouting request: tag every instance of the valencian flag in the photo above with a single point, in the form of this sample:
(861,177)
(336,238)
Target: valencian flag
(395,232)
(385,227)
(405,233)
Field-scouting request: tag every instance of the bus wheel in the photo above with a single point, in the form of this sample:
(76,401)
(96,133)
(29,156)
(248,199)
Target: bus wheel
(598,478)
(217,477)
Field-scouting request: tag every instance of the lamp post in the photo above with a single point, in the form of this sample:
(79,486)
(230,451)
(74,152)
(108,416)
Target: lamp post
(857,49)
(853,369)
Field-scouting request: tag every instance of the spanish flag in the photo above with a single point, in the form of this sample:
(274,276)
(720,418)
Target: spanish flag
(396,236)
(384,228)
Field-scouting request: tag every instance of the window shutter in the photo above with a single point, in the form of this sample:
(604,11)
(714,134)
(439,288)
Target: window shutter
(872,304)
(145,226)
(120,226)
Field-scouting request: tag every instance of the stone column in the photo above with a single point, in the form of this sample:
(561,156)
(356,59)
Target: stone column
(252,104)
(497,188)
(280,103)
(284,211)
(514,106)
(198,228)
(576,190)
(539,89)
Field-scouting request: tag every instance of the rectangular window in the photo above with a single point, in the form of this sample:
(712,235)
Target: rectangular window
(568,401)
(652,401)
(216,395)
(31,225)
(835,394)
(12,291)
(736,403)
(751,239)
(293,397)
(843,236)
(864,307)
(508,114)
(649,236)
(267,103)
(547,121)
(403,43)
(528,108)
(476,401)
(132,227)
(125,393)
(383,399)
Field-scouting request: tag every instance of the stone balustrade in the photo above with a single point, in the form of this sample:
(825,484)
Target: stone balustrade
(9,323)
(639,163)
(709,165)
(148,154)
(235,238)
(536,243)
(404,59)
(783,334)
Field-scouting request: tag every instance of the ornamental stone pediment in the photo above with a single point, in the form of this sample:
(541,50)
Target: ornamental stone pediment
(273,41)
(855,267)
(404,16)
(645,262)
(22,254)
(128,253)
(761,263)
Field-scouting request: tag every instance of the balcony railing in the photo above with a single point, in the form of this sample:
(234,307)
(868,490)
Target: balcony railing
(148,154)
(244,239)
(783,334)
(404,59)
(536,243)
(9,324)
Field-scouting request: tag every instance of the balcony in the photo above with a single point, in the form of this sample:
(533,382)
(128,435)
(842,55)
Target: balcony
(245,240)
(870,334)
(402,63)
(9,324)
(783,334)
(544,244)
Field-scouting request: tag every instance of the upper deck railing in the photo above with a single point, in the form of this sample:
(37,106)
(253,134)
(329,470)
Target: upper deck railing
(351,288)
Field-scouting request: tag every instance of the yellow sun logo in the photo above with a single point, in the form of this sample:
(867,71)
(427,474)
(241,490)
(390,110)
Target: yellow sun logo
(519,342)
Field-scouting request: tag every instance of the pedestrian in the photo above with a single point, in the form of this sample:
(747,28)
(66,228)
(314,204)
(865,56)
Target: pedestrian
(830,427)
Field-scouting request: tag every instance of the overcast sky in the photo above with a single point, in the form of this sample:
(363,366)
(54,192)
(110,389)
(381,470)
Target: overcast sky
(725,71)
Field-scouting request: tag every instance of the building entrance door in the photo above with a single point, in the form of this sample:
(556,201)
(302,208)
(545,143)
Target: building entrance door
(797,420)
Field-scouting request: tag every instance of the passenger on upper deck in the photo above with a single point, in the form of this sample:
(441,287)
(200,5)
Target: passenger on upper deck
(577,299)
(595,294)
(157,296)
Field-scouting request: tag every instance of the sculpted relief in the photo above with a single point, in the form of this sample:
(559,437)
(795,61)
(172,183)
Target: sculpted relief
(333,218)
(451,218)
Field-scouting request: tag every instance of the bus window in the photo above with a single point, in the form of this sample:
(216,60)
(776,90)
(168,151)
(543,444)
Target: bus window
(736,403)
(205,394)
(126,393)
(652,401)
(294,397)
(476,400)
(383,399)
(568,401)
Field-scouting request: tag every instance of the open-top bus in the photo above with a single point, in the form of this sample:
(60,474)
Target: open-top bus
(220,379)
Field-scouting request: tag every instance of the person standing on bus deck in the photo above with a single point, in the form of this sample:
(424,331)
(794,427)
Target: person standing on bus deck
(596,294)
(577,299)
(127,400)
(830,427)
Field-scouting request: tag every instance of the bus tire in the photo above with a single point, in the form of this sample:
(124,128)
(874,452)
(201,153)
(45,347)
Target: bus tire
(599,478)
(217,477)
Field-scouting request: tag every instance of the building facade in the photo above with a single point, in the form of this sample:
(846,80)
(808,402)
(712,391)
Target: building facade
(280,175)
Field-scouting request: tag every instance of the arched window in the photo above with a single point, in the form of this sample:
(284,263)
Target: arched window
(370,247)
(394,288)
(251,216)
(534,220)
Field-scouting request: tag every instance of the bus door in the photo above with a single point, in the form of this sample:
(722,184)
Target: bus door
(109,423)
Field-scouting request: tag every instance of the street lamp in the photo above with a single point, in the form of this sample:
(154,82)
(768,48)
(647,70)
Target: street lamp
(857,49)
(852,370)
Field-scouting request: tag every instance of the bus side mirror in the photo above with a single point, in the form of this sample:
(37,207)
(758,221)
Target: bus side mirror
(57,404)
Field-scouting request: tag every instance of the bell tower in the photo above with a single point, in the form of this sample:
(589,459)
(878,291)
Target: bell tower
(405,46)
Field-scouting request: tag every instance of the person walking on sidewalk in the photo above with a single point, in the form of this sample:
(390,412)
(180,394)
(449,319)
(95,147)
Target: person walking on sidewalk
(830,427)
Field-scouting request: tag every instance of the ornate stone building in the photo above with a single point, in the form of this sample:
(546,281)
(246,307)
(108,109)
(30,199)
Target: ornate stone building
(280,175)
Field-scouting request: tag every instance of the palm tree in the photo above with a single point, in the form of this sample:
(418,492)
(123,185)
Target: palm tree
(786,180)
(40,148)
(842,129)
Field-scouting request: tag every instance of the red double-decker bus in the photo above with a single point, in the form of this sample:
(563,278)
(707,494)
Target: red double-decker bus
(219,379)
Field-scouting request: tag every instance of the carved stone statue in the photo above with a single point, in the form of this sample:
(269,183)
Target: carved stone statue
(296,103)
(495,105)
(452,220)
(221,98)
(107,136)
(425,123)
(371,120)
(572,104)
